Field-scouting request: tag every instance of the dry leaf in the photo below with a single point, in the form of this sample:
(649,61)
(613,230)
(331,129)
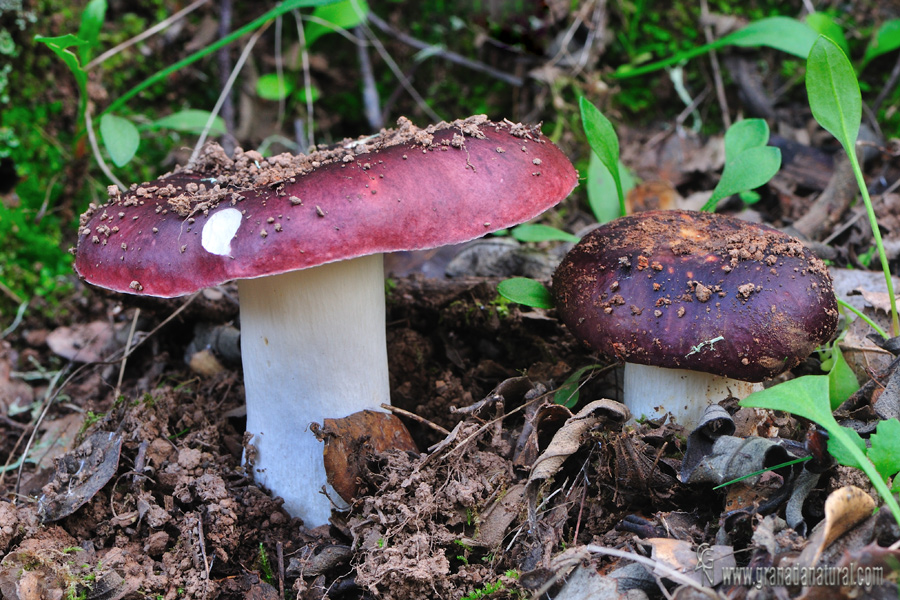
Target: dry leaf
(350,440)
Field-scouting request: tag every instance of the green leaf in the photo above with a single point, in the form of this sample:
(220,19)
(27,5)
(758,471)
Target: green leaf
(313,92)
(782,33)
(885,450)
(602,196)
(834,92)
(567,394)
(341,15)
(751,169)
(842,382)
(273,87)
(886,39)
(60,46)
(604,143)
(825,25)
(189,121)
(279,9)
(542,233)
(526,291)
(91,21)
(842,453)
(805,396)
(120,137)
(745,134)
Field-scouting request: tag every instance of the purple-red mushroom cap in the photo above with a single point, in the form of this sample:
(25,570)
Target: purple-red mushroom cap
(696,291)
(224,219)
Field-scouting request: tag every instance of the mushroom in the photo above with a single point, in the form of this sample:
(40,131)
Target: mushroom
(698,306)
(304,236)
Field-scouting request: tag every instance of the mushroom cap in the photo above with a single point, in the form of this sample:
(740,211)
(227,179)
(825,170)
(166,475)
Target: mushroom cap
(698,291)
(404,189)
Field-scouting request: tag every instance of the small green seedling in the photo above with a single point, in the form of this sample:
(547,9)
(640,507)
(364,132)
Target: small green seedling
(807,397)
(120,136)
(886,39)
(265,565)
(536,232)
(782,33)
(604,143)
(749,161)
(836,104)
(526,291)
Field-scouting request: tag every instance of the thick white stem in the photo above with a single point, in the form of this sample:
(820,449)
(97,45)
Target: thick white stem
(654,391)
(313,347)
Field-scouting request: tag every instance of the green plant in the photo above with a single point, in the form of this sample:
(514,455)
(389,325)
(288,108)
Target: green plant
(604,144)
(782,33)
(327,18)
(808,397)
(485,590)
(568,393)
(749,161)
(836,104)
(120,135)
(835,100)
(265,565)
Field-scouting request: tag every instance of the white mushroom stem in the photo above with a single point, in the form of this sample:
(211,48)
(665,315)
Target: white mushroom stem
(652,392)
(313,347)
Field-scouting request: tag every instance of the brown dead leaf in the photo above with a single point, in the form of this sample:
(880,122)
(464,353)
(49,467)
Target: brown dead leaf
(80,475)
(844,509)
(652,195)
(82,343)
(704,564)
(349,441)
(568,440)
(499,516)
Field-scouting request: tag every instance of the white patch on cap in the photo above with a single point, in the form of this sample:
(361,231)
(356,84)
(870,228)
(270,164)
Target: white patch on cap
(219,230)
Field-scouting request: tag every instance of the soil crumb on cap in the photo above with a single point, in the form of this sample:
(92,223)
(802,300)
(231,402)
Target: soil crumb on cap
(225,177)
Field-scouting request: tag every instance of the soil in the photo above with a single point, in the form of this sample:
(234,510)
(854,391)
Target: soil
(151,500)
(178,517)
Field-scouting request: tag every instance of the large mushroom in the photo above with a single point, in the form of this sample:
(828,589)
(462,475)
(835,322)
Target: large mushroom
(697,305)
(304,235)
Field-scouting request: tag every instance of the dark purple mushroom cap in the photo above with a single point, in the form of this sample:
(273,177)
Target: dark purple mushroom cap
(658,288)
(404,189)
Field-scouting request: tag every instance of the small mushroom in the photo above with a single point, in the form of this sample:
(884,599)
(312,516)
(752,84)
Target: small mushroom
(698,306)
(312,294)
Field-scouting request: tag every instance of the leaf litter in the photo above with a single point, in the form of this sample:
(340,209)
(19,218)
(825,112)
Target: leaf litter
(516,497)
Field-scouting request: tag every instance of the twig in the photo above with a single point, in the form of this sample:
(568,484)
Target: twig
(49,397)
(656,566)
(40,213)
(415,417)
(20,313)
(279,71)
(279,553)
(444,53)
(145,34)
(583,553)
(223,56)
(714,61)
(137,313)
(68,379)
(202,542)
(369,89)
(400,76)
(307,82)
(226,90)
(11,294)
(888,86)
(89,126)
